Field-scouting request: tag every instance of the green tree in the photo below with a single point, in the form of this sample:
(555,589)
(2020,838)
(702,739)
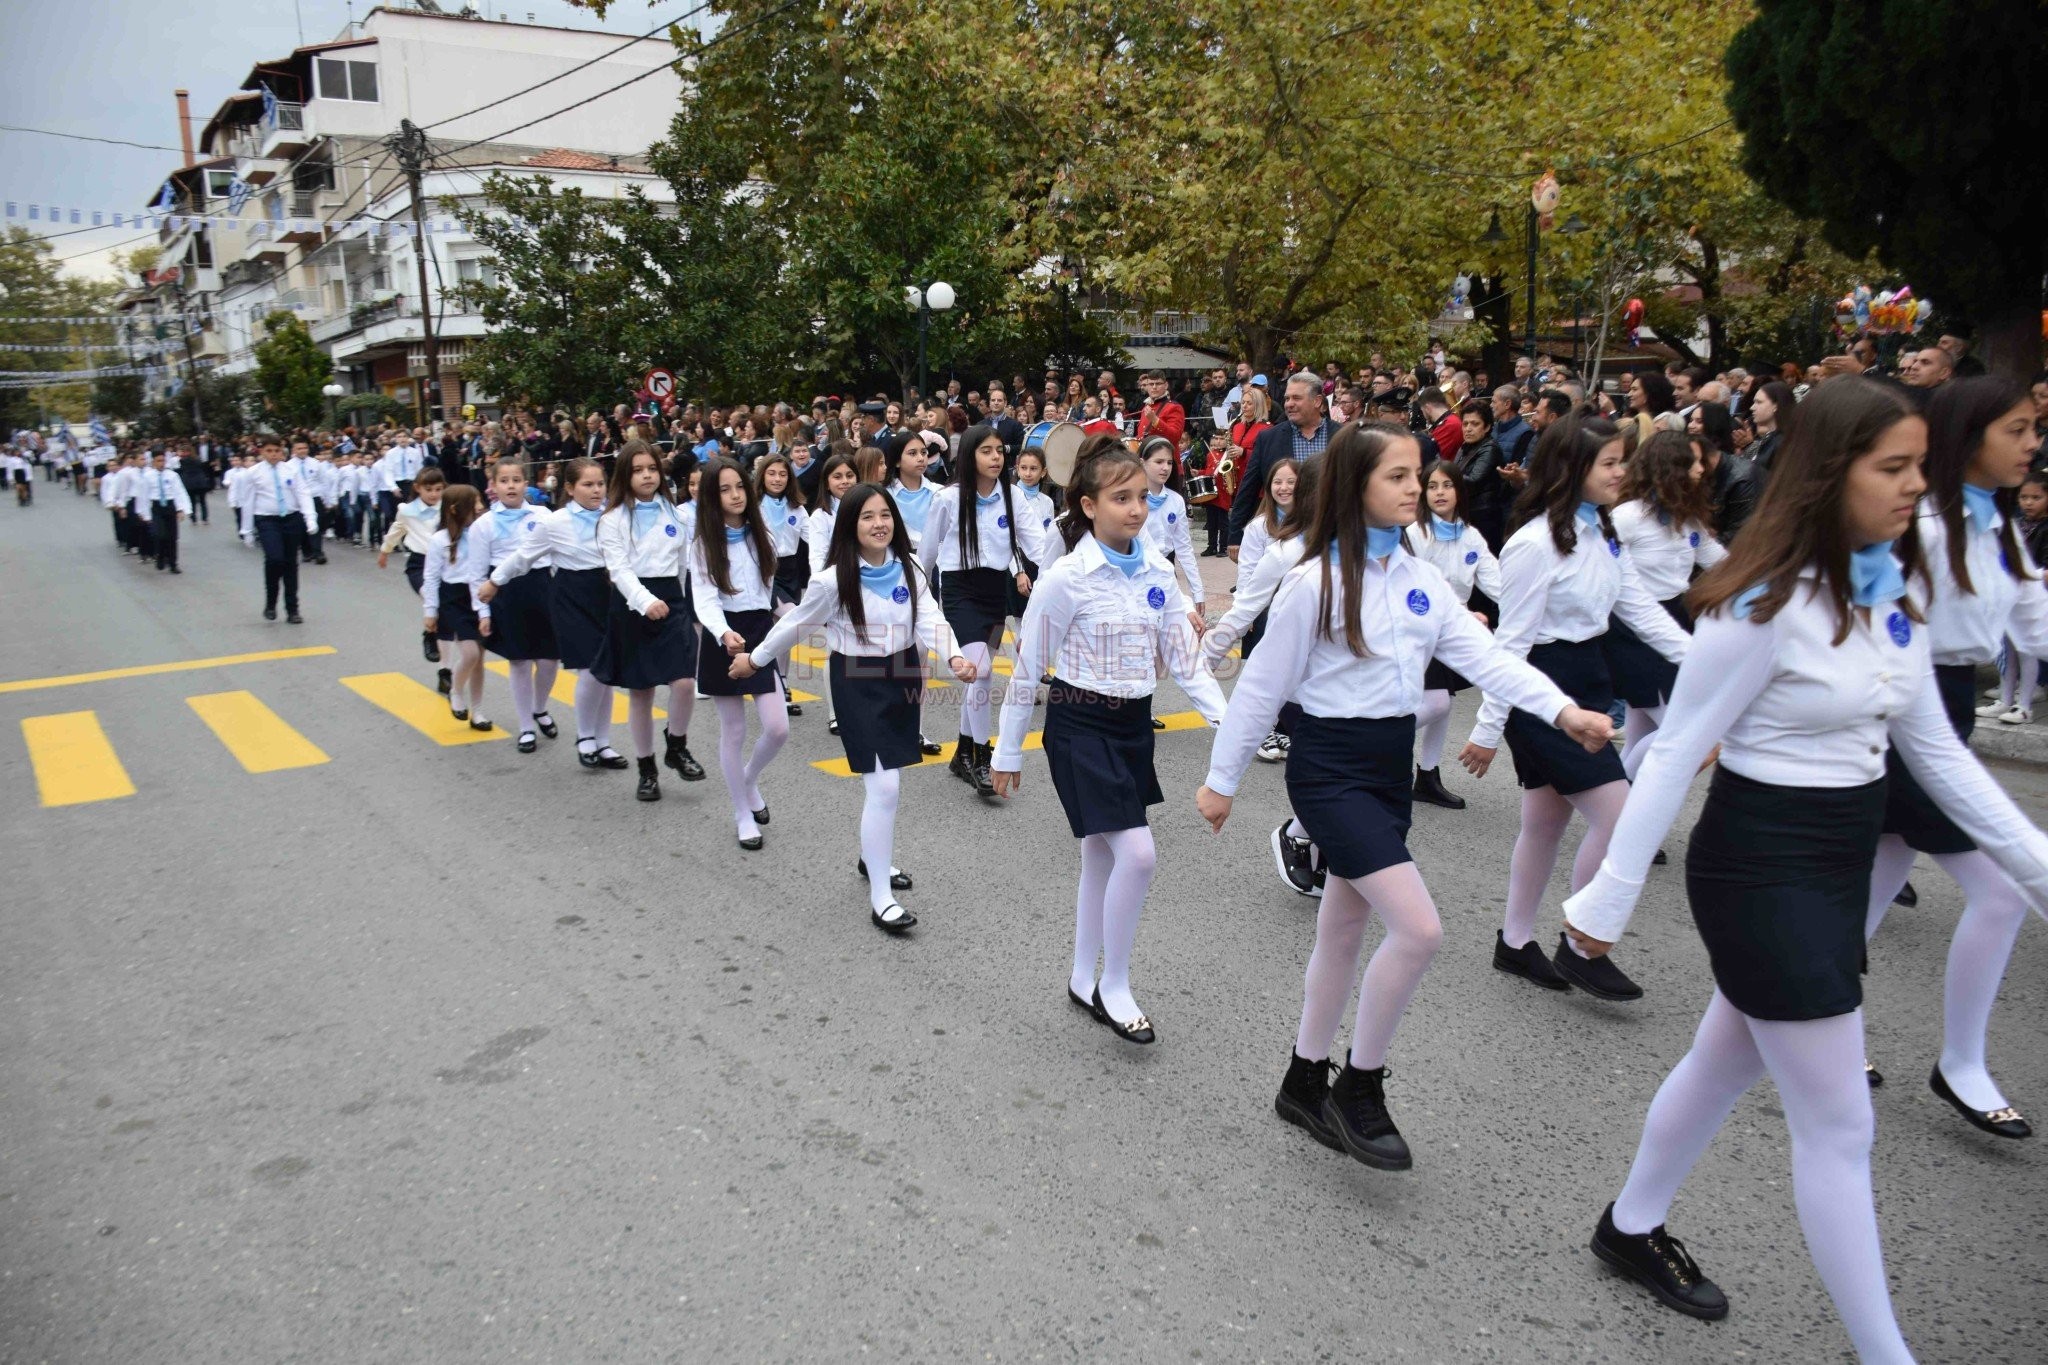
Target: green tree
(291,369)
(1934,181)
(118,397)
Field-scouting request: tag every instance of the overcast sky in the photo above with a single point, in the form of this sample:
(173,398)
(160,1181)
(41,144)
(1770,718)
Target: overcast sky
(107,68)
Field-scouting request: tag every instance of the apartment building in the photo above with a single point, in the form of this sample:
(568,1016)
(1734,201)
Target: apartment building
(289,197)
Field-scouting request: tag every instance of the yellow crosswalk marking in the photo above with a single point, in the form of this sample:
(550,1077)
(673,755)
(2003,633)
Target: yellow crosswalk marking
(564,692)
(419,706)
(148,670)
(1175,720)
(257,736)
(74,763)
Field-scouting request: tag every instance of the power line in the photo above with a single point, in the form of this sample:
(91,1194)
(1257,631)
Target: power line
(612,52)
(87,137)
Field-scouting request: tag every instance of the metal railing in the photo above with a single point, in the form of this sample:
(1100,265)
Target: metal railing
(291,117)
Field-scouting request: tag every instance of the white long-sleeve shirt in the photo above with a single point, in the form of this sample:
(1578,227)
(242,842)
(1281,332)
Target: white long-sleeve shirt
(111,489)
(277,490)
(1664,554)
(916,506)
(1791,708)
(637,544)
(505,528)
(1409,614)
(888,622)
(1547,595)
(818,531)
(1970,627)
(1257,541)
(472,566)
(413,527)
(565,538)
(1463,560)
(1255,592)
(1166,530)
(752,583)
(161,485)
(940,550)
(1103,631)
(786,525)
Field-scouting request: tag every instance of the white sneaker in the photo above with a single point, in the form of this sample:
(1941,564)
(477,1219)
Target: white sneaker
(1273,748)
(2019,715)
(1993,708)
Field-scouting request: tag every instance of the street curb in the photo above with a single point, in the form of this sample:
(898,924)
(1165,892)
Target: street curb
(2014,743)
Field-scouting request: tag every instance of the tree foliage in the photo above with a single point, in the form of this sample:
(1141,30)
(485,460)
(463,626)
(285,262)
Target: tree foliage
(31,285)
(1896,123)
(291,369)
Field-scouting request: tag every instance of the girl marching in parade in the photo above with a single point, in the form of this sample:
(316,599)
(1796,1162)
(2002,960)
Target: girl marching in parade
(522,629)
(1563,575)
(414,529)
(1166,520)
(782,511)
(579,599)
(835,480)
(458,562)
(880,621)
(1811,653)
(912,495)
(1455,548)
(650,633)
(1349,638)
(1100,616)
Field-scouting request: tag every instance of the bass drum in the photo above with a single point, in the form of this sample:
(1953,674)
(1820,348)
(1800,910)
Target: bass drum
(1057,443)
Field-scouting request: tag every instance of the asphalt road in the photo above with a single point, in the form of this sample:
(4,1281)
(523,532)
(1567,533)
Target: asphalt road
(449,1054)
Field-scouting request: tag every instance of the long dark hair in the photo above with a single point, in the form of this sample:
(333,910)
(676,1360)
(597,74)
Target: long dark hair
(569,471)
(1174,481)
(619,492)
(969,529)
(1783,402)
(1431,467)
(1337,517)
(1958,415)
(832,462)
(1269,511)
(1658,395)
(844,555)
(1798,524)
(1660,477)
(1717,426)
(711,524)
(792,492)
(461,505)
(1105,468)
(1558,467)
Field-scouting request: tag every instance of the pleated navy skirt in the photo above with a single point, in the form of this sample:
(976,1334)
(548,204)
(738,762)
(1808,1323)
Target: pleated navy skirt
(637,653)
(522,626)
(713,664)
(792,576)
(455,618)
(1544,755)
(1099,751)
(1351,783)
(1642,676)
(1909,811)
(976,601)
(878,697)
(1779,880)
(578,607)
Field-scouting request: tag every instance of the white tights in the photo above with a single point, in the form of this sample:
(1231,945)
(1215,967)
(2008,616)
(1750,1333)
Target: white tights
(878,831)
(532,682)
(975,706)
(1993,910)
(1413,934)
(466,676)
(1637,725)
(1818,1067)
(1432,724)
(682,700)
(1116,871)
(593,714)
(2018,680)
(743,775)
(1545,814)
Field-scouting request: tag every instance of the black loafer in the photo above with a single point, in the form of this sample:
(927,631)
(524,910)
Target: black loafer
(754,844)
(270,613)
(1876,1077)
(792,710)
(1527,962)
(1596,976)
(892,926)
(928,748)
(1907,896)
(1139,1030)
(1356,1110)
(1087,1006)
(479,723)
(761,816)
(527,742)
(899,880)
(545,723)
(1302,1097)
(1659,1263)
(1429,788)
(458,713)
(2005,1123)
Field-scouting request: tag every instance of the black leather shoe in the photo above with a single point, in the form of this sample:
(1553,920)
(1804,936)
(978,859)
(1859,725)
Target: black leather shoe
(1907,896)
(962,764)
(761,816)
(1659,1263)
(929,748)
(1087,1005)
(650,781)
(1527,962)
(270,613)
(1139,1030)
(1158,724)
(587,757)
(292,618)
(319,559)
(611,758)
(984,780)
(1429,787)
(899,880)
(832,726)
(2005,1123)
(527,742)
(751,843)
(1660,860)
(1356,1110)
(479,723)
(458,713)
(680,758)
(1301,1097)
(1872,1075)
(792,710)
(892,924)
(430,647)
(444,682)
(545,723)
(1294,859)
(1596,976)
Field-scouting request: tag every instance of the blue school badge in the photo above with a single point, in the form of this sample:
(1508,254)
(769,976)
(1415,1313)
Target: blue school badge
(669,530)
(1901,629)
(1614,548)
(1172,517)
(792,518)
(899,594)
(529,523)
(1471,556)
(1418,602)
(1155,598)
(1693,540)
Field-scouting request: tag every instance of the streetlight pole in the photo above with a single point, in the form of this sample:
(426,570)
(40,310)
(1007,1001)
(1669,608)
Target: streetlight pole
(934,297)
(1493,236)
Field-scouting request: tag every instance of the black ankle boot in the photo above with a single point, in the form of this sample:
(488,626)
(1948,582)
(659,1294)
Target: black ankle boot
(1429,787)
(984,781)
(1659,1263)
(1356,1109)
(680,759)
(432,646)
(962,765)
(650,780)
(1301,1097)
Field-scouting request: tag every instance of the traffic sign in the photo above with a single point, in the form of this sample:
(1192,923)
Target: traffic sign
(659,383)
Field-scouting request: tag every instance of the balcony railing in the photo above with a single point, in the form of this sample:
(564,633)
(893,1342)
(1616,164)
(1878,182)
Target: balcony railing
(288,117)
(1131,322)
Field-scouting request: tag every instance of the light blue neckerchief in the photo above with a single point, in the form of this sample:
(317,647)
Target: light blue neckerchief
(1982,506)
(1381,541)
(507,518)
(1155,501)
(991,500)
(735,534)
(775,509)
(915,504)
(645,515)
(1129,561)
(588,516)
(882,580)
(1446,530)
(1874,576)
(1589,512)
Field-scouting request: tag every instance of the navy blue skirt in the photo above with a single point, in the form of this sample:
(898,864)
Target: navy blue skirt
(577,609)
(640,654)
(1351,783)
(1544,755)
(521,624)
(714,678)
(976,601)
(455,618)
(878,698)
(792,576)
(1779,880)
(1099,750)
(1909,811)
(415,570)
(1642,676)
(1440,676)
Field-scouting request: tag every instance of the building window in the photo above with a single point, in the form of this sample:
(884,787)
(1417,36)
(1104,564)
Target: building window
(340,80)
(218,183)
(476,270)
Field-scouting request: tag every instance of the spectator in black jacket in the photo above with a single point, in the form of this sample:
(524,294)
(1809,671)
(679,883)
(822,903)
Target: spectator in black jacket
(1478,465)
(1731,477)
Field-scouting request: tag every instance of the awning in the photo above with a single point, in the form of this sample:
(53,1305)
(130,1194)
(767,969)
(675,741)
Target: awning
(1173,359)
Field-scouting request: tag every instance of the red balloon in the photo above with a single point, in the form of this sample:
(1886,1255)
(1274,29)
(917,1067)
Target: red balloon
(1633,312)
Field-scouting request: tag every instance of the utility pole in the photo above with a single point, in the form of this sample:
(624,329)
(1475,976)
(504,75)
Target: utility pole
(409,145)
(191,358)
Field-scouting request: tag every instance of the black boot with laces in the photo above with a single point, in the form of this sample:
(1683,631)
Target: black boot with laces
(984,781)
(1357,1110)
(650,781)
(1659,1263)
(1301,1097)
(680,758)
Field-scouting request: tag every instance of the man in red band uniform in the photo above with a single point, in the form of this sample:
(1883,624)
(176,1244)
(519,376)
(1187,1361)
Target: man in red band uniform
(1161,416)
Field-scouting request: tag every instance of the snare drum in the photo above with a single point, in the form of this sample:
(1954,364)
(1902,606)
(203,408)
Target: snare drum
(1201,489)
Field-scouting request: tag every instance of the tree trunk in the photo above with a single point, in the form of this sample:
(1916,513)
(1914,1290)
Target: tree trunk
(2012,344)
